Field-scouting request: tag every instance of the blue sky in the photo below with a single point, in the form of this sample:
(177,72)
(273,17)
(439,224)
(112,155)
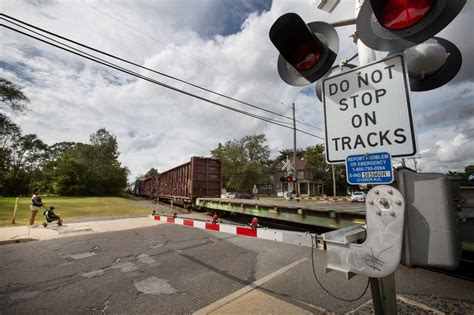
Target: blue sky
(222,45)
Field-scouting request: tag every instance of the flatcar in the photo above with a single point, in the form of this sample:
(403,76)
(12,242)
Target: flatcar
(198,178)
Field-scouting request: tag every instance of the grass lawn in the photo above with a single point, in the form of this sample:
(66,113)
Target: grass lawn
(70,208)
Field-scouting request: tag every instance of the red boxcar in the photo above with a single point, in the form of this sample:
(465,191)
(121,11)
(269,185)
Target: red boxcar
(201,177)
(149,187)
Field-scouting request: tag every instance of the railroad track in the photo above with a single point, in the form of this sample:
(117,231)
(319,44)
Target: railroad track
(465,270)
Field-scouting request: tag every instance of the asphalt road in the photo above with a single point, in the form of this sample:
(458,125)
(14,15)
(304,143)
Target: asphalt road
(170,269)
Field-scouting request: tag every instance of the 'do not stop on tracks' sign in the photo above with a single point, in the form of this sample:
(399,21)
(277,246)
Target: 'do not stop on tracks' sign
(367,110)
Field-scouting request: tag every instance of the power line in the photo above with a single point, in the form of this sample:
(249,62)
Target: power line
(199,62)
(95,57)
(127,71)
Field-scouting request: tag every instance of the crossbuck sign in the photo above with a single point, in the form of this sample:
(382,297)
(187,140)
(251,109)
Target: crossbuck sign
(367,110)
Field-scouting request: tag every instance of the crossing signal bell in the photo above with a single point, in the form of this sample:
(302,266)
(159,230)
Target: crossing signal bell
(307,51)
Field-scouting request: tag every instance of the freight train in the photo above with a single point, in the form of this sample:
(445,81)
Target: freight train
(198,178)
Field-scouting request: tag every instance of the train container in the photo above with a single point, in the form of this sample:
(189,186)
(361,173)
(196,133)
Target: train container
(149,187)
(198,178)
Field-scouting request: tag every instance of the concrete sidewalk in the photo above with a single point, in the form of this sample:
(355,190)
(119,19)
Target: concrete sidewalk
(24,233)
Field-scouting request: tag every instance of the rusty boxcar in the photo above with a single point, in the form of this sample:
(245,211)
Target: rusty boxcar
(149,187)
(198,178)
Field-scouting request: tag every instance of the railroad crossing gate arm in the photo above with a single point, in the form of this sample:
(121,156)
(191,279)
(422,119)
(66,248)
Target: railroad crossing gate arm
(379,254)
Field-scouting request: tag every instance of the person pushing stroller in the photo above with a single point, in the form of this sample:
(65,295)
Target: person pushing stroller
(51,216)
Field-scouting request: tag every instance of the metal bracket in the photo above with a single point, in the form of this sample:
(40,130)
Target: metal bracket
(379,254)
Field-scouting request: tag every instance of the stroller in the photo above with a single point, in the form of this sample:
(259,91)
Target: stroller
(50,216)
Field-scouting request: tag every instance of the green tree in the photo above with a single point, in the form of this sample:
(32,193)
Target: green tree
(288,153)
(91,169)
(317,161)
(9,131)
(315,155)
(243,162)
(50,164)
(25,157)
(151,172)
(12,97)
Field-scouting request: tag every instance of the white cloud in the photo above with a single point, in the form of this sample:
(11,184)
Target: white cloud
(156,127)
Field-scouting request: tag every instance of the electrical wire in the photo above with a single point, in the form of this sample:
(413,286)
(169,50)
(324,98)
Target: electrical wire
(95,57)
(324,288)
(193,59)
(146,68)
(116,67)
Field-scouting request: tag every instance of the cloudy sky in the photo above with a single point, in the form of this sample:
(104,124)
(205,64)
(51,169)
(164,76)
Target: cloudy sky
(221,45)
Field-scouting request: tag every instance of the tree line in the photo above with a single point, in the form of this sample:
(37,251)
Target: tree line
(246,162)
(64,168)
(93,169)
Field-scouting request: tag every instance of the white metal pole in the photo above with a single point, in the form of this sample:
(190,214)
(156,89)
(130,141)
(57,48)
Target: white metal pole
(366,55)
(383,289)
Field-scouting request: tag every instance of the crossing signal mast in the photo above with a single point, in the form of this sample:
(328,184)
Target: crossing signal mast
(398,27)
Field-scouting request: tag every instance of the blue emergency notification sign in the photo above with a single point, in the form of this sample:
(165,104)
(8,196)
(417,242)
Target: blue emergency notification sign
(373,168)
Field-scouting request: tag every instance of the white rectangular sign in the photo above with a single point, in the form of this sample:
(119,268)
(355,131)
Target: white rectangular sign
(367,110)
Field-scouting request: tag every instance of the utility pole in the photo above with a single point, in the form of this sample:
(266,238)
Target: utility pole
(294,148)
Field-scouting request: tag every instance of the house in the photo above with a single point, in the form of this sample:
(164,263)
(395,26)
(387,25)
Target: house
(306,186)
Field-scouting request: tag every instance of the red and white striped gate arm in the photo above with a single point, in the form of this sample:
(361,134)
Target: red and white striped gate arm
(288,237)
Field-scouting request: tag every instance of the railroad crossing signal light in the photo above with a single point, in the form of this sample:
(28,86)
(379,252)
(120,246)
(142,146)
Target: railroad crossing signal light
(283,179)
(394,25)
(432,64)
(289,178)
(409,26)
(307,51)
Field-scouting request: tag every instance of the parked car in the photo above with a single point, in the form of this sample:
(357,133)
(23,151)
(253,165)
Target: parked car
(230,195)
(243,195)
(358,196)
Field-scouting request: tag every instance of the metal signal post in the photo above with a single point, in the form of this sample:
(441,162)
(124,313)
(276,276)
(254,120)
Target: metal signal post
(422,62)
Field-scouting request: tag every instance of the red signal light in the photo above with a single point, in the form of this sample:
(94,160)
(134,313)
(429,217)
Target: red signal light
(306,56)
(289,179)
(400,14)
(296,43)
